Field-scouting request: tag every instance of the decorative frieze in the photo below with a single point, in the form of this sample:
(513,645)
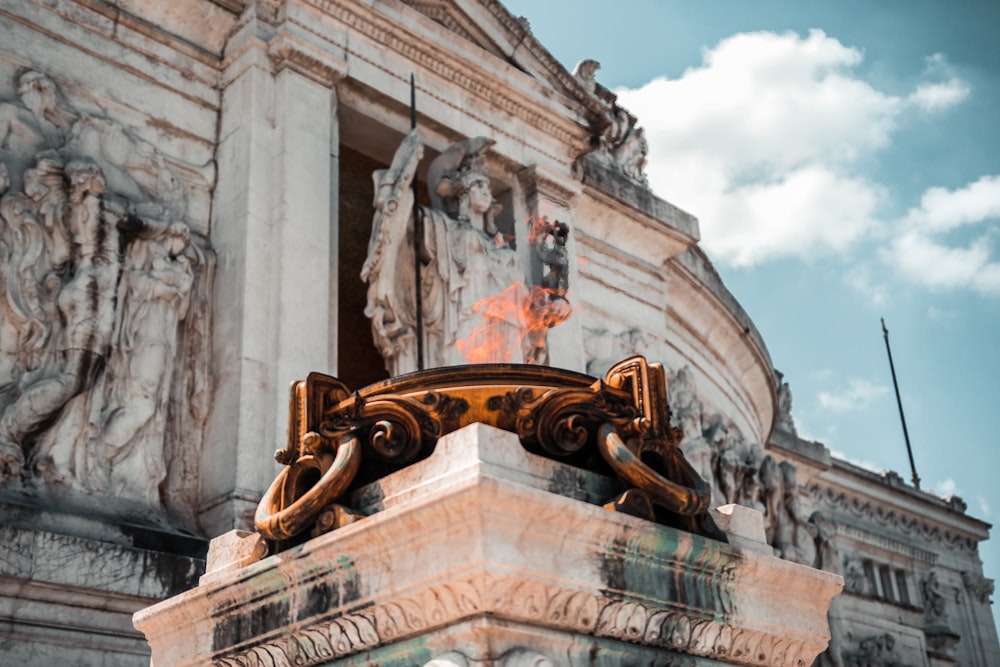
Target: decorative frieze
(516,599)
(876,514)
(105,334)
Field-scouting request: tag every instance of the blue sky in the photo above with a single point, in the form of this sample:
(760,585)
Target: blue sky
(843,159)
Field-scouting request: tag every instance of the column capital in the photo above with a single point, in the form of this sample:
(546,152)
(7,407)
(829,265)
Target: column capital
(288,51)
(538,181)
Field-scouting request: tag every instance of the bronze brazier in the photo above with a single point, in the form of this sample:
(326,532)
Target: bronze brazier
(339,439)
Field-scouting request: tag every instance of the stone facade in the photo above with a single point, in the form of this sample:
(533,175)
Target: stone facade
(186,207)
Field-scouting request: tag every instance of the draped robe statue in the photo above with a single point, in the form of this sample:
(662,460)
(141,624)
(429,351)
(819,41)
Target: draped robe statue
(472,281)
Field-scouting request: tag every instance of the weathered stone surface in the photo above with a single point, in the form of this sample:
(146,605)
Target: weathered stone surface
(68,598)
(470,533)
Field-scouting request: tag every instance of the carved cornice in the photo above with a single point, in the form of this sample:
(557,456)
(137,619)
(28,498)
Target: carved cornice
(522,31)
(514,598)
(880,541)
(889,518)
(538,181)
(288,51)
(235,6)
(449,67)
(437,11)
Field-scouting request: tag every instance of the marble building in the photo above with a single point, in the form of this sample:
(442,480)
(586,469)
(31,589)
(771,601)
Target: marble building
(186,226)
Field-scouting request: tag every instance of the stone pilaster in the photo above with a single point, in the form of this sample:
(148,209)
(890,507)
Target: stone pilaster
(551,196)
(274,221)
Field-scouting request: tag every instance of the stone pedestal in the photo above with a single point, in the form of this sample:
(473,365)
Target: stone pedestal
(486,554)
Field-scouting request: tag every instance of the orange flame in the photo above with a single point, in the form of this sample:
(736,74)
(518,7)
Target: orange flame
(491,341)
(530,311)
(538,227)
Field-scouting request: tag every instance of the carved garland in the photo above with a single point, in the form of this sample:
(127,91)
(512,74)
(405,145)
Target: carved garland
(552,606)
(890,518)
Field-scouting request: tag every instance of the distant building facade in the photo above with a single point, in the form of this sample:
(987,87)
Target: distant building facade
(186,208)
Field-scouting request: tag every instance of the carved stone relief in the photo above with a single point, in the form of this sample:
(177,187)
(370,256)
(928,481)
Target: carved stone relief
(620,144)
(104,295)
(978,586)
(874,651)
(552,606)
(785,421)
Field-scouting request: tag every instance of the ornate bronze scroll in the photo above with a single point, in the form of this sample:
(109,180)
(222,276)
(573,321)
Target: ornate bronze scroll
(339,440)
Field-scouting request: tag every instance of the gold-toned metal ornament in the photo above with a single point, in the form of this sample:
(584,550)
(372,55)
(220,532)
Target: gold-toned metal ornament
(340,439)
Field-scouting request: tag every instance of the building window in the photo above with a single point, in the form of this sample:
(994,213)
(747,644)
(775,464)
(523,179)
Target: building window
(904,592)
(885,579)
(873,583)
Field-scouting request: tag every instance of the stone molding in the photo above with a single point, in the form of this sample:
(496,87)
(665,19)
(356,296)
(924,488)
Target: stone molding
(978,586)
(890,518)
(289,52)
(438,11)
(538,181)
(517,599)
(450,67)
(881,541)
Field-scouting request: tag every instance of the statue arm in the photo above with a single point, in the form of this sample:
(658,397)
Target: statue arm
(393,204)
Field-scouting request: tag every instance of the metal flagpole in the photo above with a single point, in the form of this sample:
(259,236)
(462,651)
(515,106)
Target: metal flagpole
(899,402)
(418,235)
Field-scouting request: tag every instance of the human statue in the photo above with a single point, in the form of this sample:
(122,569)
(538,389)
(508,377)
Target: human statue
(472,282)
(157,279)
(933,597)
(84,308)
(37,121)
(785,421)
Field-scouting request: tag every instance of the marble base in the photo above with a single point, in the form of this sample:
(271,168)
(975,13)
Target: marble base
(484,553)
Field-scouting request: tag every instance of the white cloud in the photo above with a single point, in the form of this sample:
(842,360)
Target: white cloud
(761,142)
(945,488)
(921,252)
(942,314)
(858,396)
(861,463)
(862,281)
(942,95)
(941,209)
(932,97)
(923,260)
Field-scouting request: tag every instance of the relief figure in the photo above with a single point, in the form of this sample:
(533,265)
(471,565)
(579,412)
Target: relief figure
(104,312)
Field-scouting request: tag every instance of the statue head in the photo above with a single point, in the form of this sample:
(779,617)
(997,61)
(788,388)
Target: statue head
(45,176)
(460,185)
(36,91)
(176,238)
